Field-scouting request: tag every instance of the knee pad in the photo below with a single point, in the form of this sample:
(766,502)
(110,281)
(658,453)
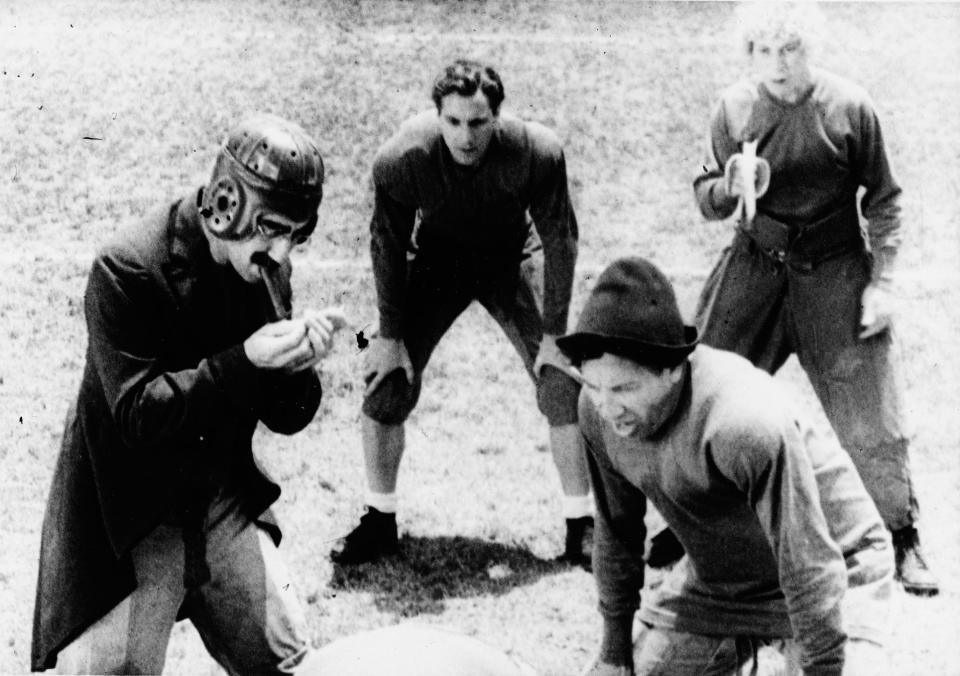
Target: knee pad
(557,396)
(393,400)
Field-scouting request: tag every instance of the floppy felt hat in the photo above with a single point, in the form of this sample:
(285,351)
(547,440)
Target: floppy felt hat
(632,312)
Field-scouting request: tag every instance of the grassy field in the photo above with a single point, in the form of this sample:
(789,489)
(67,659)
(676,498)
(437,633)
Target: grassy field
(108,109)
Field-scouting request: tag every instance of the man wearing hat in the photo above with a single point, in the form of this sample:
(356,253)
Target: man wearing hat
(158,510)
(787,560)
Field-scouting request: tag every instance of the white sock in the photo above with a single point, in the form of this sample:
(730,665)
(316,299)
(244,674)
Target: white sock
(383,502)
(576,506)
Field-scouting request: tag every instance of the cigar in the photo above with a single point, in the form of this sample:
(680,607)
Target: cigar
(269,271)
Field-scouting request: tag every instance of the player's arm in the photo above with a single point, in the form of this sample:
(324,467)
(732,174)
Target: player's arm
(290,390)
(709,190)
(556,223)
(880,205)
(858,529)
(619,535)
(287,401)
(154,407)
(767,459)
(390,230)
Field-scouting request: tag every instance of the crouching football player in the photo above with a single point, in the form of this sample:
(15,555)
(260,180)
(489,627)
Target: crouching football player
(787,559)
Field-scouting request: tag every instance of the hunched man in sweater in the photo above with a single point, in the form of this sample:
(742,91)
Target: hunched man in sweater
(787,559)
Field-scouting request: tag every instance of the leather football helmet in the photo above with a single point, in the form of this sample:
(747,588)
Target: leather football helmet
(266,166)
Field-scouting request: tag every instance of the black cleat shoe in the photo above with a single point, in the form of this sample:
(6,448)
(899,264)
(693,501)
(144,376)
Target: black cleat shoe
(374,538)
(912,570)
(578,548)
(665,550)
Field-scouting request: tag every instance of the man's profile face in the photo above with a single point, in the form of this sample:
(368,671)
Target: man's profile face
(467,125)
(631,397)
(780,62)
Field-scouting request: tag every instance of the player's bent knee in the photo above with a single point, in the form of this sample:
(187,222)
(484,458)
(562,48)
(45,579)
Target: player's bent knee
(392,402)
(557,395)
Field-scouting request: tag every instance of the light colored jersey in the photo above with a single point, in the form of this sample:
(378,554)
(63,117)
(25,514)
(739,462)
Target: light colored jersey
(775,524)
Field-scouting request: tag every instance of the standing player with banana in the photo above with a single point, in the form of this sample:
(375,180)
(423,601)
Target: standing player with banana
(158,510)
(799,276)
(489,198)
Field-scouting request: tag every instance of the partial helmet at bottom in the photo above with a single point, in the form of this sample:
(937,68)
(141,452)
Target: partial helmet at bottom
(266,166)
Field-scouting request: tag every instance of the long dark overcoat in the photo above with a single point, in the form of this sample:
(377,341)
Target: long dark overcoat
(166,412)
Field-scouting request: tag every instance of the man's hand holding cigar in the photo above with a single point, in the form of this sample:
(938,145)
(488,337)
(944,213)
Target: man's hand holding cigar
(294,345)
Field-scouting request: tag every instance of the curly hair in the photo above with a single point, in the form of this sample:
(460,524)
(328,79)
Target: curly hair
(465,77)
(779,20)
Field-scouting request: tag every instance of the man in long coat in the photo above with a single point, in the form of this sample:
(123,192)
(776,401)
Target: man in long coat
(157,509)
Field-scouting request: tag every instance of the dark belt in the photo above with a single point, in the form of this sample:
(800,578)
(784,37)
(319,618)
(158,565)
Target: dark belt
(806,246)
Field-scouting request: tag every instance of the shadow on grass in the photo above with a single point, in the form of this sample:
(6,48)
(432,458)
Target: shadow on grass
(429,570)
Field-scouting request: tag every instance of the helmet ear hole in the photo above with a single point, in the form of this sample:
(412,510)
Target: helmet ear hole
(222,203)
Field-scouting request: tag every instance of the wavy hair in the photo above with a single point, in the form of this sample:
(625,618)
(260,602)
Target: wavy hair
(465,77)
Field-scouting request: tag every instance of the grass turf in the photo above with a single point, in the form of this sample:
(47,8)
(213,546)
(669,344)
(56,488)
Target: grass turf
(108,109)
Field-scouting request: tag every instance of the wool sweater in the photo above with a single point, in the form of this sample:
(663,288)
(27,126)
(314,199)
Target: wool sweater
(776,523)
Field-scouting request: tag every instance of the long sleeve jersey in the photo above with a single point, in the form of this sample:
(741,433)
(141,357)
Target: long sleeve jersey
(477,216)
(821,149)
(775,525)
